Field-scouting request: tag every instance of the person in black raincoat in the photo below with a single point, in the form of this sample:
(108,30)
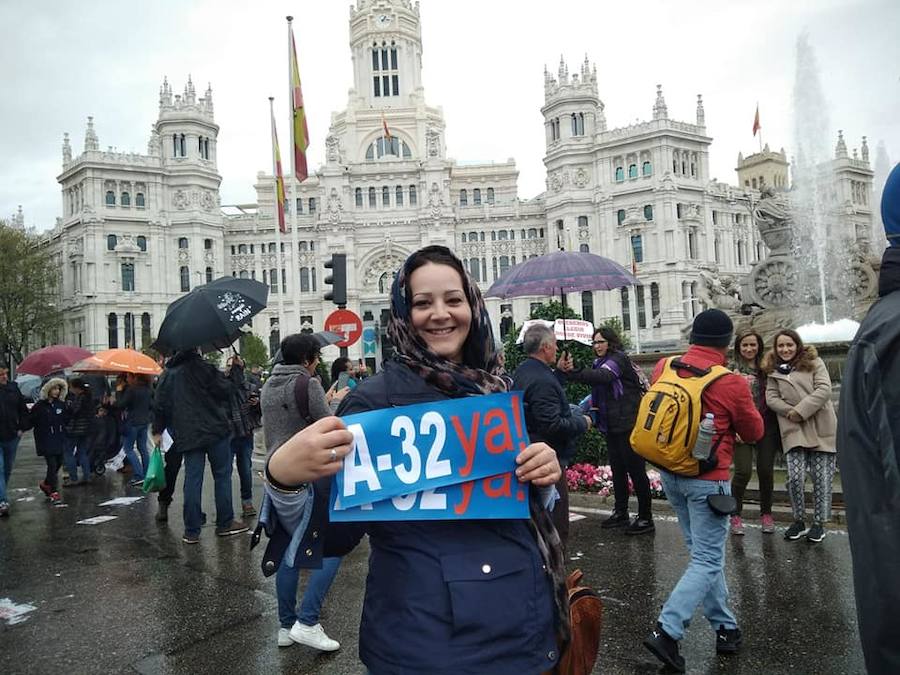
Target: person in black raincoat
(868,445)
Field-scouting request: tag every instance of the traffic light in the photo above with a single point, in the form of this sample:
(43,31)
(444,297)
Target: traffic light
(338,279)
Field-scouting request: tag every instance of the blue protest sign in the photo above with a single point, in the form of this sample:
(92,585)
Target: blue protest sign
(494,497)
(400,451)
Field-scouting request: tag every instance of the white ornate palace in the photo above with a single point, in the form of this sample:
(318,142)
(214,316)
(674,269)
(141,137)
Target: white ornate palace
(139,230)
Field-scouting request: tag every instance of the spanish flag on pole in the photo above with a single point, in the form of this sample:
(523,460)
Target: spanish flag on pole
(387,132)
(756,125)
(276,170)
(299,131)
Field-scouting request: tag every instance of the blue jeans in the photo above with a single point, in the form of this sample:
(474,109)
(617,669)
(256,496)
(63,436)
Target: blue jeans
(7,459)
(77,453)
(136,433)
(194,466)
(286,581)
(705,533)
(242,449)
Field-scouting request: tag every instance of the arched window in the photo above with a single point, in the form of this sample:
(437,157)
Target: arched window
(647,169)
(463,237)
(654,300)
(272,247)
(490,195)
(111,241)
(632,171)
(504,264)
(620,174)
(111,198)
(112,329)
(532,233)
(359,201)
(312,205)
(587,306)
(463,198)
(146,334)
(125,199)
(183,242)
(476,196)
(493,235)
(648,212)
(209,274)
(412,195)
(474,269)
(142,243)
(620,216)
(243,274)
(503,235)
(207,244)
(584,248)
(185,275)
(626,309)
(398,195)
(753,182)
(473,236)
(273,280)
(304,280)
(582,221)
(385,196)
(371,197)
(183,145)
(242,248)
(139,200)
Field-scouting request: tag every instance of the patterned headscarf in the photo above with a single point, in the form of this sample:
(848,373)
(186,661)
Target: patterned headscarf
(480,372)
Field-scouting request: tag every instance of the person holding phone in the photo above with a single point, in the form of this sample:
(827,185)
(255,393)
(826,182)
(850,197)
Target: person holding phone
(342,381)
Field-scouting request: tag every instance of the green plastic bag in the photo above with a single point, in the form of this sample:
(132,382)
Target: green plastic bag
(155,475)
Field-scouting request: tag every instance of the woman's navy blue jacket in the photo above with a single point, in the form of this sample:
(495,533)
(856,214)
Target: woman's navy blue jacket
(446,597)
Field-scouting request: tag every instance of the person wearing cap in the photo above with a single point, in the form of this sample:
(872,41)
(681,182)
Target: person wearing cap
(728,398)
(868,449)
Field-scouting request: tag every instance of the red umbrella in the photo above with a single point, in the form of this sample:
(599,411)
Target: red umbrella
(51,359)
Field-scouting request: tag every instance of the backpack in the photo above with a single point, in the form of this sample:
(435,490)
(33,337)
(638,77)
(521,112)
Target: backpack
(585,620)
(301,396)
(669,418)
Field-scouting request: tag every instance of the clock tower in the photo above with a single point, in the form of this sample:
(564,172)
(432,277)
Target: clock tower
(386,43)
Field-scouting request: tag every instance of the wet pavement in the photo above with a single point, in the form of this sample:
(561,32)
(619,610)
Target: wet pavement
(127,596)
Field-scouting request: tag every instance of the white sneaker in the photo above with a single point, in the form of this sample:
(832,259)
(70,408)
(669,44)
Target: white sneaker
(313,636)
(284,637)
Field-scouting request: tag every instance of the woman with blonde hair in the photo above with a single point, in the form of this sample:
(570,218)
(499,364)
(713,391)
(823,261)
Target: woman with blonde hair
(798,389)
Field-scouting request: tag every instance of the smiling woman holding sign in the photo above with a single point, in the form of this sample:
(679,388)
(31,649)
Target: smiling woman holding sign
(453,594)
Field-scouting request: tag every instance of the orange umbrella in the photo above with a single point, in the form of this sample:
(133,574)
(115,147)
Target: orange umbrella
(118,361)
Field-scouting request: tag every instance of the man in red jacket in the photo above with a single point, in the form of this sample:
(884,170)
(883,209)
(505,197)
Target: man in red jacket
(703,582)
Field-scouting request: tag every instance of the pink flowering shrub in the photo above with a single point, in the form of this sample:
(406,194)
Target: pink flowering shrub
(586,477)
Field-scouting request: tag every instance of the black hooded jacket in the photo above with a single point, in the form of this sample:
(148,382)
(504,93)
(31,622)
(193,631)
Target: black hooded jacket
(191,401)
(868,444)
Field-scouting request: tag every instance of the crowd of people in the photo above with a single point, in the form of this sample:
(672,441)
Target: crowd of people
(481,595)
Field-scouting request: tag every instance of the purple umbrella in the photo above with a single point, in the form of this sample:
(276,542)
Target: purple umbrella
(561,272)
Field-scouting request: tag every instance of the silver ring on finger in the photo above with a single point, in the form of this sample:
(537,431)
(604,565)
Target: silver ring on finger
(333,456)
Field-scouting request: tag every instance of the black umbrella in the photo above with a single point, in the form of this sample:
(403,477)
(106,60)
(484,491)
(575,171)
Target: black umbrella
(211,316)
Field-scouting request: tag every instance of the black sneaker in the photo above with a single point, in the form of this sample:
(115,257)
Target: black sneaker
(162,516)
(665,649)
(728,640)
(816,533)
(617,519)
(795,531)
(640,526)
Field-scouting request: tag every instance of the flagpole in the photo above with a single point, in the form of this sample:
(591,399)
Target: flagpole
(295,247)
(281,324)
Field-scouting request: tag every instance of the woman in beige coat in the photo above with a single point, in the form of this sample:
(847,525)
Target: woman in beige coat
(798,389)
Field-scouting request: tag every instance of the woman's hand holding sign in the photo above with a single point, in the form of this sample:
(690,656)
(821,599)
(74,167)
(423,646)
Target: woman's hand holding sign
(538,464)
(314,452)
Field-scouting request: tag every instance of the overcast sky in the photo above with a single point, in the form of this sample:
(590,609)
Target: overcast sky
(483,62)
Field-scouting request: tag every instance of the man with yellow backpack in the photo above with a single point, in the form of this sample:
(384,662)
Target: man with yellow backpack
(686,426)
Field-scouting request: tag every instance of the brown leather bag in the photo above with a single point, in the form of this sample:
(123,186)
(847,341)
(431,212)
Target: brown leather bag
(586,619)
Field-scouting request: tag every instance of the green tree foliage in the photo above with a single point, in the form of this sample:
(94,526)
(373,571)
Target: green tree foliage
(253,350)
(214,357)
(591,446)
(29,293)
